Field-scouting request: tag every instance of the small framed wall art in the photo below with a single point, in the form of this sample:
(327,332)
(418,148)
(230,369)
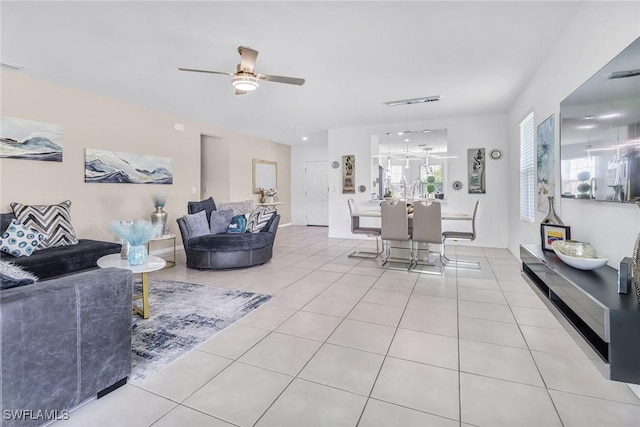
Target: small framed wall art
(348,174)
(550,233)
(476,171)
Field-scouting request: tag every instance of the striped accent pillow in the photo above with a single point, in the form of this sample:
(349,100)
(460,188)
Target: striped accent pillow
(52,220)
(259,218)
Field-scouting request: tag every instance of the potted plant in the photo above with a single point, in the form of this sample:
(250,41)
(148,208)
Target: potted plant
(431,188)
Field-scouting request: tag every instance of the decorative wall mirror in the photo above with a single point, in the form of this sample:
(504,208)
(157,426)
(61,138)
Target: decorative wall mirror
(410,163)
(265,175)
(600,133)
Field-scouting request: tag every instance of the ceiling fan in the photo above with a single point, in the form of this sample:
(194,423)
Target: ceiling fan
(244,79)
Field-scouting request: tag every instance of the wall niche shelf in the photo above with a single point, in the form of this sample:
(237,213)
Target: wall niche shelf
(608,322)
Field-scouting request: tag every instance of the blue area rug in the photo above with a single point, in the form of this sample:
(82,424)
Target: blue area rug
(183,315)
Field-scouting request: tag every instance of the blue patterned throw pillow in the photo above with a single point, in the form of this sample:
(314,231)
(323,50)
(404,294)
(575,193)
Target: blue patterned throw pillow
(18,240)
(238,224)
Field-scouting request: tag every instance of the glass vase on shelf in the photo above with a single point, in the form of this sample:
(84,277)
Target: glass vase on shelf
(552,218)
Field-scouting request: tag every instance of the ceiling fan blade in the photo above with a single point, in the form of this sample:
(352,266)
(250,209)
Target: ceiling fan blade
(205,71)
(247,58)
(240,92)
(281,79)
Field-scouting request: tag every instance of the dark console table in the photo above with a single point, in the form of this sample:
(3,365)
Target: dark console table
(608,321)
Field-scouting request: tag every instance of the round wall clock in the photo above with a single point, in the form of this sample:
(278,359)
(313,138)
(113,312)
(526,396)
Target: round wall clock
(495,154)
(456,185)
(335,164)
(362,188)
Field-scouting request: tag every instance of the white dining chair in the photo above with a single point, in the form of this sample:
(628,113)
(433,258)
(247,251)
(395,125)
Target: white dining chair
(395,227)
(427,229)
(356,228)
(461,236)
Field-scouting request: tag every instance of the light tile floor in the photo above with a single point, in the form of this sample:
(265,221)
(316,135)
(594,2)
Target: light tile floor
(346,343)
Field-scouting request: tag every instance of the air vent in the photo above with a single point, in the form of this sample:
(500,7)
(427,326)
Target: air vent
(9,66)
(623,74)
(413,101)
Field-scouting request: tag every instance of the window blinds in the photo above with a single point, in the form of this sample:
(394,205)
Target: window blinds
(527,174)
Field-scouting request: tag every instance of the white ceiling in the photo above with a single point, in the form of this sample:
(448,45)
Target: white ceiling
(354,56)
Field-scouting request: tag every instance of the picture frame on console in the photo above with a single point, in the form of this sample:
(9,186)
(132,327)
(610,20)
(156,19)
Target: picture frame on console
(550,233)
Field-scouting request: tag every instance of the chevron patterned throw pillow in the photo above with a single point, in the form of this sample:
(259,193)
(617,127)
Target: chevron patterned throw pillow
(52,220)
(259,219)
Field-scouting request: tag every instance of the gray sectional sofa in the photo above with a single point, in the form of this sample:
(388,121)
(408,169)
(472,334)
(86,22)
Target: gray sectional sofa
(52,262)
(64,341)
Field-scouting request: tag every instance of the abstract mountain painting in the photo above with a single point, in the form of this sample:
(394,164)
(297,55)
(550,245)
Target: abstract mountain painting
(126,168)
(30,140)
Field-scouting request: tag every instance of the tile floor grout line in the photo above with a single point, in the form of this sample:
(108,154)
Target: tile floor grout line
(458,330)
(373,385)
(535,363)
(307,362)
(233,360)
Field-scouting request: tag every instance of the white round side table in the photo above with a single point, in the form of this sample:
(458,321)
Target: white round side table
(153,263)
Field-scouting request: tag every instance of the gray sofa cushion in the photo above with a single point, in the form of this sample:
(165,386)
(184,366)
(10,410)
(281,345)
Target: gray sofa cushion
(51,262)
(230,242)
(220,221)
(197,223)
(207,205)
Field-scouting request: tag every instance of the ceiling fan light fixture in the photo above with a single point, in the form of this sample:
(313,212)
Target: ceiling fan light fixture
(245,83)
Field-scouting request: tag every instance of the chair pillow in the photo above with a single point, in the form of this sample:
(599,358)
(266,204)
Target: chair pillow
(238,224)
(259,218)
(239,208)
(197,224)
(207,205)
(18,240)
(12,276)
(53,221)
(220,221)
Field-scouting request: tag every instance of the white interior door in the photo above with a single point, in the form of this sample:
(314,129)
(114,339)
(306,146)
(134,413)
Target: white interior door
(316,187)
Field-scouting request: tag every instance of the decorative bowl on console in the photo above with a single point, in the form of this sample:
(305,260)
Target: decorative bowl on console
(580,255)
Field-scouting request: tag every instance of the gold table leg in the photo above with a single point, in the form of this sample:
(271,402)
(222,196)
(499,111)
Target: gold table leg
(144,312)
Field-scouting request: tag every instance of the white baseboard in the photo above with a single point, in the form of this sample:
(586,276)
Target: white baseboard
(166,250)
(287,224)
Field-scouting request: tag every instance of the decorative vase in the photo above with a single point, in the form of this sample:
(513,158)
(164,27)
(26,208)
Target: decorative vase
(552,218)
(270,199)
(636,267)
(124,252)
(262,199)
(159,217)
(137,255)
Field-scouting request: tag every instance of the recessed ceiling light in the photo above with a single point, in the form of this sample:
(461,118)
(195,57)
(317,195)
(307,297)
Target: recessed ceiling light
(586,127)
(589,117)
(304,138)
(400,133)
(406,140)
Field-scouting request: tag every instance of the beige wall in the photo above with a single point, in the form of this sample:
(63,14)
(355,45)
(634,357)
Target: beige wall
(92,121)
(233,157)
